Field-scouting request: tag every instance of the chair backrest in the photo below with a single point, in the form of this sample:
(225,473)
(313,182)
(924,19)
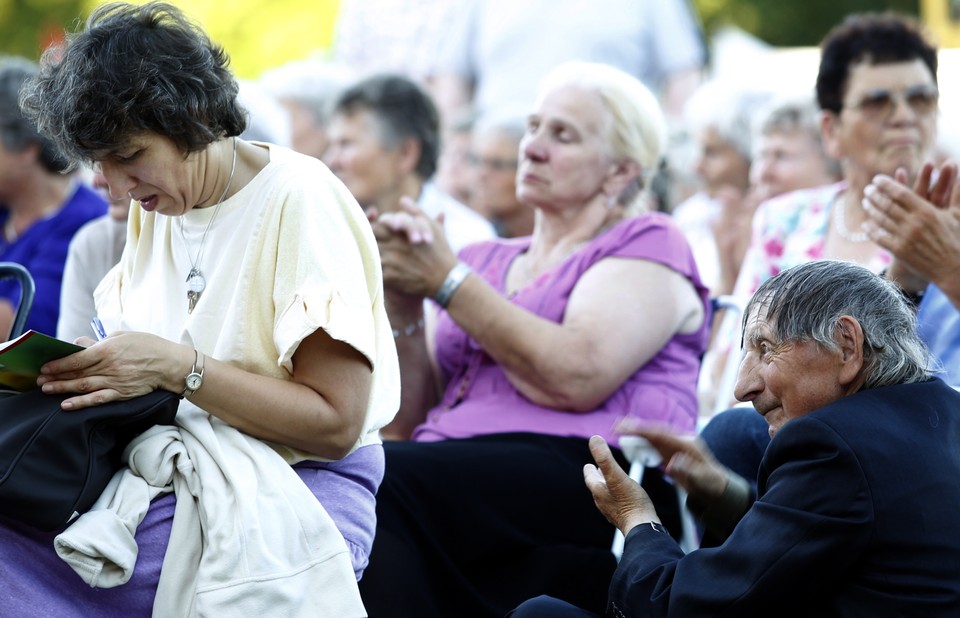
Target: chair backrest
(12,270)
(721,383)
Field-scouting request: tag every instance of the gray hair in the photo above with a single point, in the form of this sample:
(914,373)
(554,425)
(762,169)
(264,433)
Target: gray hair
(805,303)
(17,131)
(728,107)
(794,114)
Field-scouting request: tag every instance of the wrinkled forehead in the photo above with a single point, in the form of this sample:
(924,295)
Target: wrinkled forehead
(576,104)
(758,321)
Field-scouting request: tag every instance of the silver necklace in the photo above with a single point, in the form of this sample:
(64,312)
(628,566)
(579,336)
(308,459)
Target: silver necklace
(840,223)
(196,283)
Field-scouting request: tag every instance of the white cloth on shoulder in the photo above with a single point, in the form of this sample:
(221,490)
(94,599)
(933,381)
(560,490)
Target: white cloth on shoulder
(248,537)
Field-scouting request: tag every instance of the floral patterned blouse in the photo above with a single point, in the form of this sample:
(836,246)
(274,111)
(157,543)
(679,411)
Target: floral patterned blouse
(788,230)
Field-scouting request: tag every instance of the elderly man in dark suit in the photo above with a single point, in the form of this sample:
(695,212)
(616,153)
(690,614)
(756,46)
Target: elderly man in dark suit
(858,491)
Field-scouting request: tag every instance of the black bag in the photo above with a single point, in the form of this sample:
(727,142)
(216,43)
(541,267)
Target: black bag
(55,464)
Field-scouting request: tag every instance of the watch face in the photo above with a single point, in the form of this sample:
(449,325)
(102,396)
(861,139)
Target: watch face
(193,381)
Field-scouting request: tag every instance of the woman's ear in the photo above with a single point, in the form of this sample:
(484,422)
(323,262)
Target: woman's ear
(850,340)
(619,176)
(829,128)
(409,150)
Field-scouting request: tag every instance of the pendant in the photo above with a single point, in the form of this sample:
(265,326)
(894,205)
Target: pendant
(195,286)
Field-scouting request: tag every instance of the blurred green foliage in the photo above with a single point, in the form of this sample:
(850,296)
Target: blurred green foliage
(27,26)
(790,23)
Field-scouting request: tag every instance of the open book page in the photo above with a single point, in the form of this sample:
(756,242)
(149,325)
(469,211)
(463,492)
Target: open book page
(21,358)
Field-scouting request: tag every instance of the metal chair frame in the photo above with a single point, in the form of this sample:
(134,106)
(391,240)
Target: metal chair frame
(641,455)
(12,270)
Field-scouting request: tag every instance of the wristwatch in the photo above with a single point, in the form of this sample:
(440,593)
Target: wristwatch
(194,379)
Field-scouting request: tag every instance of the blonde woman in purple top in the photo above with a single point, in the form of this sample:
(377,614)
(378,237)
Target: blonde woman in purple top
(541,342)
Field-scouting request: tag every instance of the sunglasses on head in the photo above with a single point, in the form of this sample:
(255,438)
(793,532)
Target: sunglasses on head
(879,104)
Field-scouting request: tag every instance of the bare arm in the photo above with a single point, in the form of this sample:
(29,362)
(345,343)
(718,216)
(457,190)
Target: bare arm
(323,406)
(419,387)
(620,314)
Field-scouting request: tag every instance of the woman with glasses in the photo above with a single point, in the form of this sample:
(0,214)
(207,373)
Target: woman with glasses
(493,177)
(877,92)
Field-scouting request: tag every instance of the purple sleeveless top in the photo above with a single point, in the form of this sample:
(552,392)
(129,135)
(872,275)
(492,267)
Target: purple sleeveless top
(480,400)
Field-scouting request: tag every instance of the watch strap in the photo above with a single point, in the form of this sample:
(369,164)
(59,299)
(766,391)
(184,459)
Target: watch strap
(195,371)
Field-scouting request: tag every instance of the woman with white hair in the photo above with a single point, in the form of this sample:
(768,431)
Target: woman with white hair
(716,219)
(539,343)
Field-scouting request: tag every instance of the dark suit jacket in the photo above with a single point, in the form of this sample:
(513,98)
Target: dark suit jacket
(858,515)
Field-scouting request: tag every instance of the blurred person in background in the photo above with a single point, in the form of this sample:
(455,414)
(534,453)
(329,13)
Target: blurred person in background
(788,156)
(877,91)
(454,169)
(788,149)
(384,146)
(94,250)
(496,51)
(716,219)
(41,206)
(494,152)
(307,89)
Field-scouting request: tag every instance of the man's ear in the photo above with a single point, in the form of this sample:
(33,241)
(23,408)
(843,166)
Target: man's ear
(409,151)
(850,339)
(829,128)
(620,174)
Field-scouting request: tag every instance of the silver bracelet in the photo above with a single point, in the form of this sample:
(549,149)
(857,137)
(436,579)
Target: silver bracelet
(409,329)
(450,285)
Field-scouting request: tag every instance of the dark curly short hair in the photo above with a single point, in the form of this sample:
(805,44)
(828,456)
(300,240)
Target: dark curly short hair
(17,132)
(402,110)
(874,38)
(133,69)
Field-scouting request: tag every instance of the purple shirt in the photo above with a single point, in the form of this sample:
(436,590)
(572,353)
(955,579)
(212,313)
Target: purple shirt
(42,250)
(480,400)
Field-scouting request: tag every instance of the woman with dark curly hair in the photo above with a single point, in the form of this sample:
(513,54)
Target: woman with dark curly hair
(251,285)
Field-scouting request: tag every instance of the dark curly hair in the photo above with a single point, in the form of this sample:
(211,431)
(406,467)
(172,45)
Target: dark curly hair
(874,38)
(133,69)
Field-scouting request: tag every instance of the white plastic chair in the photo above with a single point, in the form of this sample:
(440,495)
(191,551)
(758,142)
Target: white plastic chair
(642,455)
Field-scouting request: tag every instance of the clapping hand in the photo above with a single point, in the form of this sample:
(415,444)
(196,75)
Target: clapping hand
(920,226)
(621,500)
(688,459)
(414,254)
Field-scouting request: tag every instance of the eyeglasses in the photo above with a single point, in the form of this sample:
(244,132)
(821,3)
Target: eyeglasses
(879,104)
(492,164)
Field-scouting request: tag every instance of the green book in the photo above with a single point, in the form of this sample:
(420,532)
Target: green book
(21,358)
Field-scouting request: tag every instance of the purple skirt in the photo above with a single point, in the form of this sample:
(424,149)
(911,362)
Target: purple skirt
(34,581)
